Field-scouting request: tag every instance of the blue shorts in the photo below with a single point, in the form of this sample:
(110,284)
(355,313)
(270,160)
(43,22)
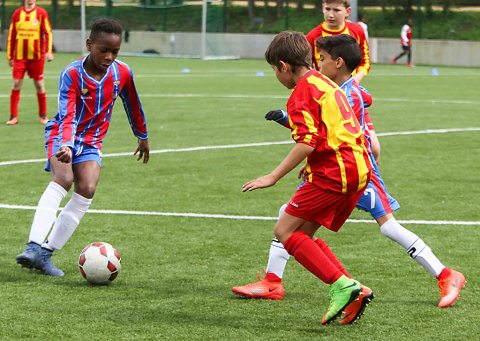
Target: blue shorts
(80,153)
(376,200)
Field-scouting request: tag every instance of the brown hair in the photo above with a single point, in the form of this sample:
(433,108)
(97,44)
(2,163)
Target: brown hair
(345,3)
(290,47)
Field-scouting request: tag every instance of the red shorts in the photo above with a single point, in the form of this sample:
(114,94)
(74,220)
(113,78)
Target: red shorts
(33,67)
(330,209)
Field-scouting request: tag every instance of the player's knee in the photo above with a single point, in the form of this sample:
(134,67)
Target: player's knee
(86,190)
(281,233)
(64,180)
(39,86)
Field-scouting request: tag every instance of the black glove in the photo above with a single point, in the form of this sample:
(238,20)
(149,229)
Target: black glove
(275,115)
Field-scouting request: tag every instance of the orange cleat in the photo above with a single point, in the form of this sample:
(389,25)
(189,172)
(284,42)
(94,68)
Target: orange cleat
(450,288)
(261,289)
(12,121)
(394,61)
(410,65)
(355,310)
(43,119)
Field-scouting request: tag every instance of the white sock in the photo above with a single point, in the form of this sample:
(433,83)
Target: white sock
(67,222)
(415,246)
(278,256)
(46,212)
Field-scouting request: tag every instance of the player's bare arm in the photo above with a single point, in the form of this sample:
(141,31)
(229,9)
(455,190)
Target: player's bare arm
(10,62)
(64,154)
(293,159)
(143,150)
(49,57)
(359,76)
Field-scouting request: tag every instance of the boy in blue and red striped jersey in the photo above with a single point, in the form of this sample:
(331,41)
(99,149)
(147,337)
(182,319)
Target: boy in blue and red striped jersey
(337,167)
(339,57)
(29,44)
(88,89)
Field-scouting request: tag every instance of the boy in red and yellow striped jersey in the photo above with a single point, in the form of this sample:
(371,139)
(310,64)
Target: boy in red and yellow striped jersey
(338,168)
(29,44)
(335,13)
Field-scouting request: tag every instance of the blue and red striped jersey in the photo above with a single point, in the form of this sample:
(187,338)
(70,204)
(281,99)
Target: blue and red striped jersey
(85,105)
(359,99)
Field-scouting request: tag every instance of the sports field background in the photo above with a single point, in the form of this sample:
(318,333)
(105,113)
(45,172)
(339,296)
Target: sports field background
(195,235)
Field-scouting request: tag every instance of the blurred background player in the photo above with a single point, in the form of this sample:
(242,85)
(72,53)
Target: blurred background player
(337,168)
(29,44)
(339,56)
(406,42)
(361,22)
(88,89)
(335,13)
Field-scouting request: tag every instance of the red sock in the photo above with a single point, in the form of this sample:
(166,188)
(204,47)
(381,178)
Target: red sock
(271,277)
(329,253)
(444,274)
(14,99)
(42,103)
(309,254)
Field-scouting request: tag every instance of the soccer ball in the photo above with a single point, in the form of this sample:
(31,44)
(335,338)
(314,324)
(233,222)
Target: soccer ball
(99,263)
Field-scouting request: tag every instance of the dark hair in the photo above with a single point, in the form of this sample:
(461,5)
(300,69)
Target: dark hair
(343,46)
(105,25)
(290,47)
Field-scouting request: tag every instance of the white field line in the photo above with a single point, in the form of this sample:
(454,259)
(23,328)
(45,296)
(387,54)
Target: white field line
(239,217)
(220,216)
(245,145)
(240,96)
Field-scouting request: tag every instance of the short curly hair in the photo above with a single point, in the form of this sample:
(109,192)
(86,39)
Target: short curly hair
(105,25)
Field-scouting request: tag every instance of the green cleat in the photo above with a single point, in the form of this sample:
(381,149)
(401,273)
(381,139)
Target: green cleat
(344,291)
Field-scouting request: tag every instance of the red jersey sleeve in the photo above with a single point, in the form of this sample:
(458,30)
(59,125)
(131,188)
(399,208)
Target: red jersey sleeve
(132,105)
(356,31)
(46,30)
(12,35)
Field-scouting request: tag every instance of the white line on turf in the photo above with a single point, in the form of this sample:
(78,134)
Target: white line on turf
(239,217)
(183,96)
(258,144)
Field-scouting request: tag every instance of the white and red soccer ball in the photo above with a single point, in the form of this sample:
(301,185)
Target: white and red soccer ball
(99,263)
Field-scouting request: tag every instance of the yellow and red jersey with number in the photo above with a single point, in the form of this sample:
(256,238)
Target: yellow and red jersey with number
(320,116)
(30,34)
(349,28)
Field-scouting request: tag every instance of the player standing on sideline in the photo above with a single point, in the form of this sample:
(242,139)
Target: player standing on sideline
(337,167)
(339,57)
(88,89)
(406,42)
(335,13)
(29,44)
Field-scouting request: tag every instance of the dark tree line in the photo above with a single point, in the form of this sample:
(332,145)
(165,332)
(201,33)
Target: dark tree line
(406,5)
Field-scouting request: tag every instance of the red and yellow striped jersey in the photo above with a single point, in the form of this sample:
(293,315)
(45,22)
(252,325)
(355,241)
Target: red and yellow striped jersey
(320,115)
(349,28)
(30,34)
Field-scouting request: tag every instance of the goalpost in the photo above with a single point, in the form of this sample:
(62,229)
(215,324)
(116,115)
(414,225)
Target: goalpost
(204,39)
